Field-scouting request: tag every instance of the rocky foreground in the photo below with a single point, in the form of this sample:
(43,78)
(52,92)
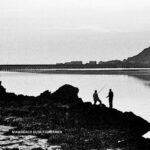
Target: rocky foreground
(63,119)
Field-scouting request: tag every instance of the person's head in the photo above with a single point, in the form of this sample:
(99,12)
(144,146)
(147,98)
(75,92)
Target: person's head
(110,90)
(95,91)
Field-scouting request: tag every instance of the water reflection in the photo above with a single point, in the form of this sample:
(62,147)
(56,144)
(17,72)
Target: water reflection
(145,79)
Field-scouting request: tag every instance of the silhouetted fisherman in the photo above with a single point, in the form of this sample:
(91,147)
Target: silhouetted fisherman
(96,98)
(110,96)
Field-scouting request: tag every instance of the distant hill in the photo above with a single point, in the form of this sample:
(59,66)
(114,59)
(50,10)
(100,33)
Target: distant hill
(142,58)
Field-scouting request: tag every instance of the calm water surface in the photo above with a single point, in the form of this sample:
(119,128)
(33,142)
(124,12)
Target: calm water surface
(131,93)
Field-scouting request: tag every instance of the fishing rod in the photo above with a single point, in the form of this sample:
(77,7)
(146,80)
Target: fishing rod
(100,90)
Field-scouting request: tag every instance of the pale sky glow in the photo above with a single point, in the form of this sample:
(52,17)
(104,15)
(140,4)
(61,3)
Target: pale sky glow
(50,31)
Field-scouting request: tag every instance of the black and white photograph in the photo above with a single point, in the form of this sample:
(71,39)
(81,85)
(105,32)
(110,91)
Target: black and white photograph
(74,75)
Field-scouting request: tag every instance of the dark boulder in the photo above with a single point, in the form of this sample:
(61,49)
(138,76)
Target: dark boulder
(2,89)
(103,118)
(67,94)
(136,125)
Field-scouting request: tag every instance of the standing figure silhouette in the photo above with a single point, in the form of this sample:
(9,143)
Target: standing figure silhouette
(96,98)
(110,96)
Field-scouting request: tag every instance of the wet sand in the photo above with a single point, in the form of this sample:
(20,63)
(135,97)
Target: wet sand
(22,142)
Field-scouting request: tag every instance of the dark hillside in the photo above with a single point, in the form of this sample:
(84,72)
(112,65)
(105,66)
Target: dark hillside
(141,58)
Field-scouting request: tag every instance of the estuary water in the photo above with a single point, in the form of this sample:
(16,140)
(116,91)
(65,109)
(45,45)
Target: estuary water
(131,91)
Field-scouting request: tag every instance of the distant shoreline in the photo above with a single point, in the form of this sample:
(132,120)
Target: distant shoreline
(107,71)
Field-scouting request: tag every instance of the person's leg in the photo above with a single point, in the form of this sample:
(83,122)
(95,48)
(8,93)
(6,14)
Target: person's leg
(100,102)
(110,103)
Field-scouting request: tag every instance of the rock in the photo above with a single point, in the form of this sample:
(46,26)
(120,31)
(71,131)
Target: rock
(136,125)
(64,110)
(102,117)
(66,94)
(2,89)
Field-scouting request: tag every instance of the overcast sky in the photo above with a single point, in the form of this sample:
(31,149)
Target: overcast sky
(50,31)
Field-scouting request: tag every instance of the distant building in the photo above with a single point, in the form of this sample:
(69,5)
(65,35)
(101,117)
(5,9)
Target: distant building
(67,63)
(74,63)
(59,63)
(92,62)
(101,62)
